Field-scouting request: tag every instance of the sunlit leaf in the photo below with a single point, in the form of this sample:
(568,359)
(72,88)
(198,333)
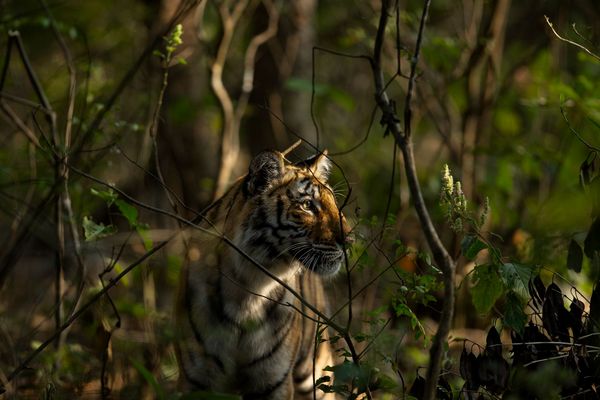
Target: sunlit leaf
(109,196)
(93,231)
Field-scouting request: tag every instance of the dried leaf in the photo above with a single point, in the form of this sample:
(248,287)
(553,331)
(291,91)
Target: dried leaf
(468,370)
(493,345)
(576,312)
(591,243)
(464,365)
(531,346)
(574,256)
(555,316)
(418,388)
(537,291)
(444,391)
(493,372)
(594,315)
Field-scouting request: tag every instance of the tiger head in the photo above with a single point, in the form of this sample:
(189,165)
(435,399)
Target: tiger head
(295,215)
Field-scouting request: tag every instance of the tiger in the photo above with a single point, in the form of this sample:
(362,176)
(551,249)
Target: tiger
(239,331)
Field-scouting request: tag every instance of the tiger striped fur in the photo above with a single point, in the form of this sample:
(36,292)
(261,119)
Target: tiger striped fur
(237,334)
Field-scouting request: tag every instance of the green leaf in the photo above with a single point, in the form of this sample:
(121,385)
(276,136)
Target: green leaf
(118,269)
(344,372)
(487,289)
(109,196)
(142,230)
(148,377)
(514,315)
(128,211)
(386,383)
(516,278)
(402,309)
(471,246)
(93,231)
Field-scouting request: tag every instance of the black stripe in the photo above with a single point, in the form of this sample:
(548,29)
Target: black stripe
(217,305)
(272,251)
(197,384)
(268,226)
(301,356)
(275,347)
(299,234)
(262,242)
(261,214)
(261,219)
(303,377)
(280,210)
(275,302)
(303,185)
(269,389)
(196,331)
(245,183)
(186,374)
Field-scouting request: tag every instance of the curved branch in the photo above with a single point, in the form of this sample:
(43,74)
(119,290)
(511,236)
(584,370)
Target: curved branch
(570,41)
(229,141)
(403,140)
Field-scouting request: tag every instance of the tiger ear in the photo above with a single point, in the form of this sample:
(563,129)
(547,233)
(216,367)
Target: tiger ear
(264,169)
(320,166)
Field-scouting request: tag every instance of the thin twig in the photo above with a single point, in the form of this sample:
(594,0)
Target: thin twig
(63,173)
(570,41)
(574,132)
(15,119)
(80,311)
(113,282)
(214,233)
(184,8)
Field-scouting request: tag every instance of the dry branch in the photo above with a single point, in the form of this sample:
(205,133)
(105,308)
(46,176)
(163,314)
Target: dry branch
(403,140)
(233,113)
